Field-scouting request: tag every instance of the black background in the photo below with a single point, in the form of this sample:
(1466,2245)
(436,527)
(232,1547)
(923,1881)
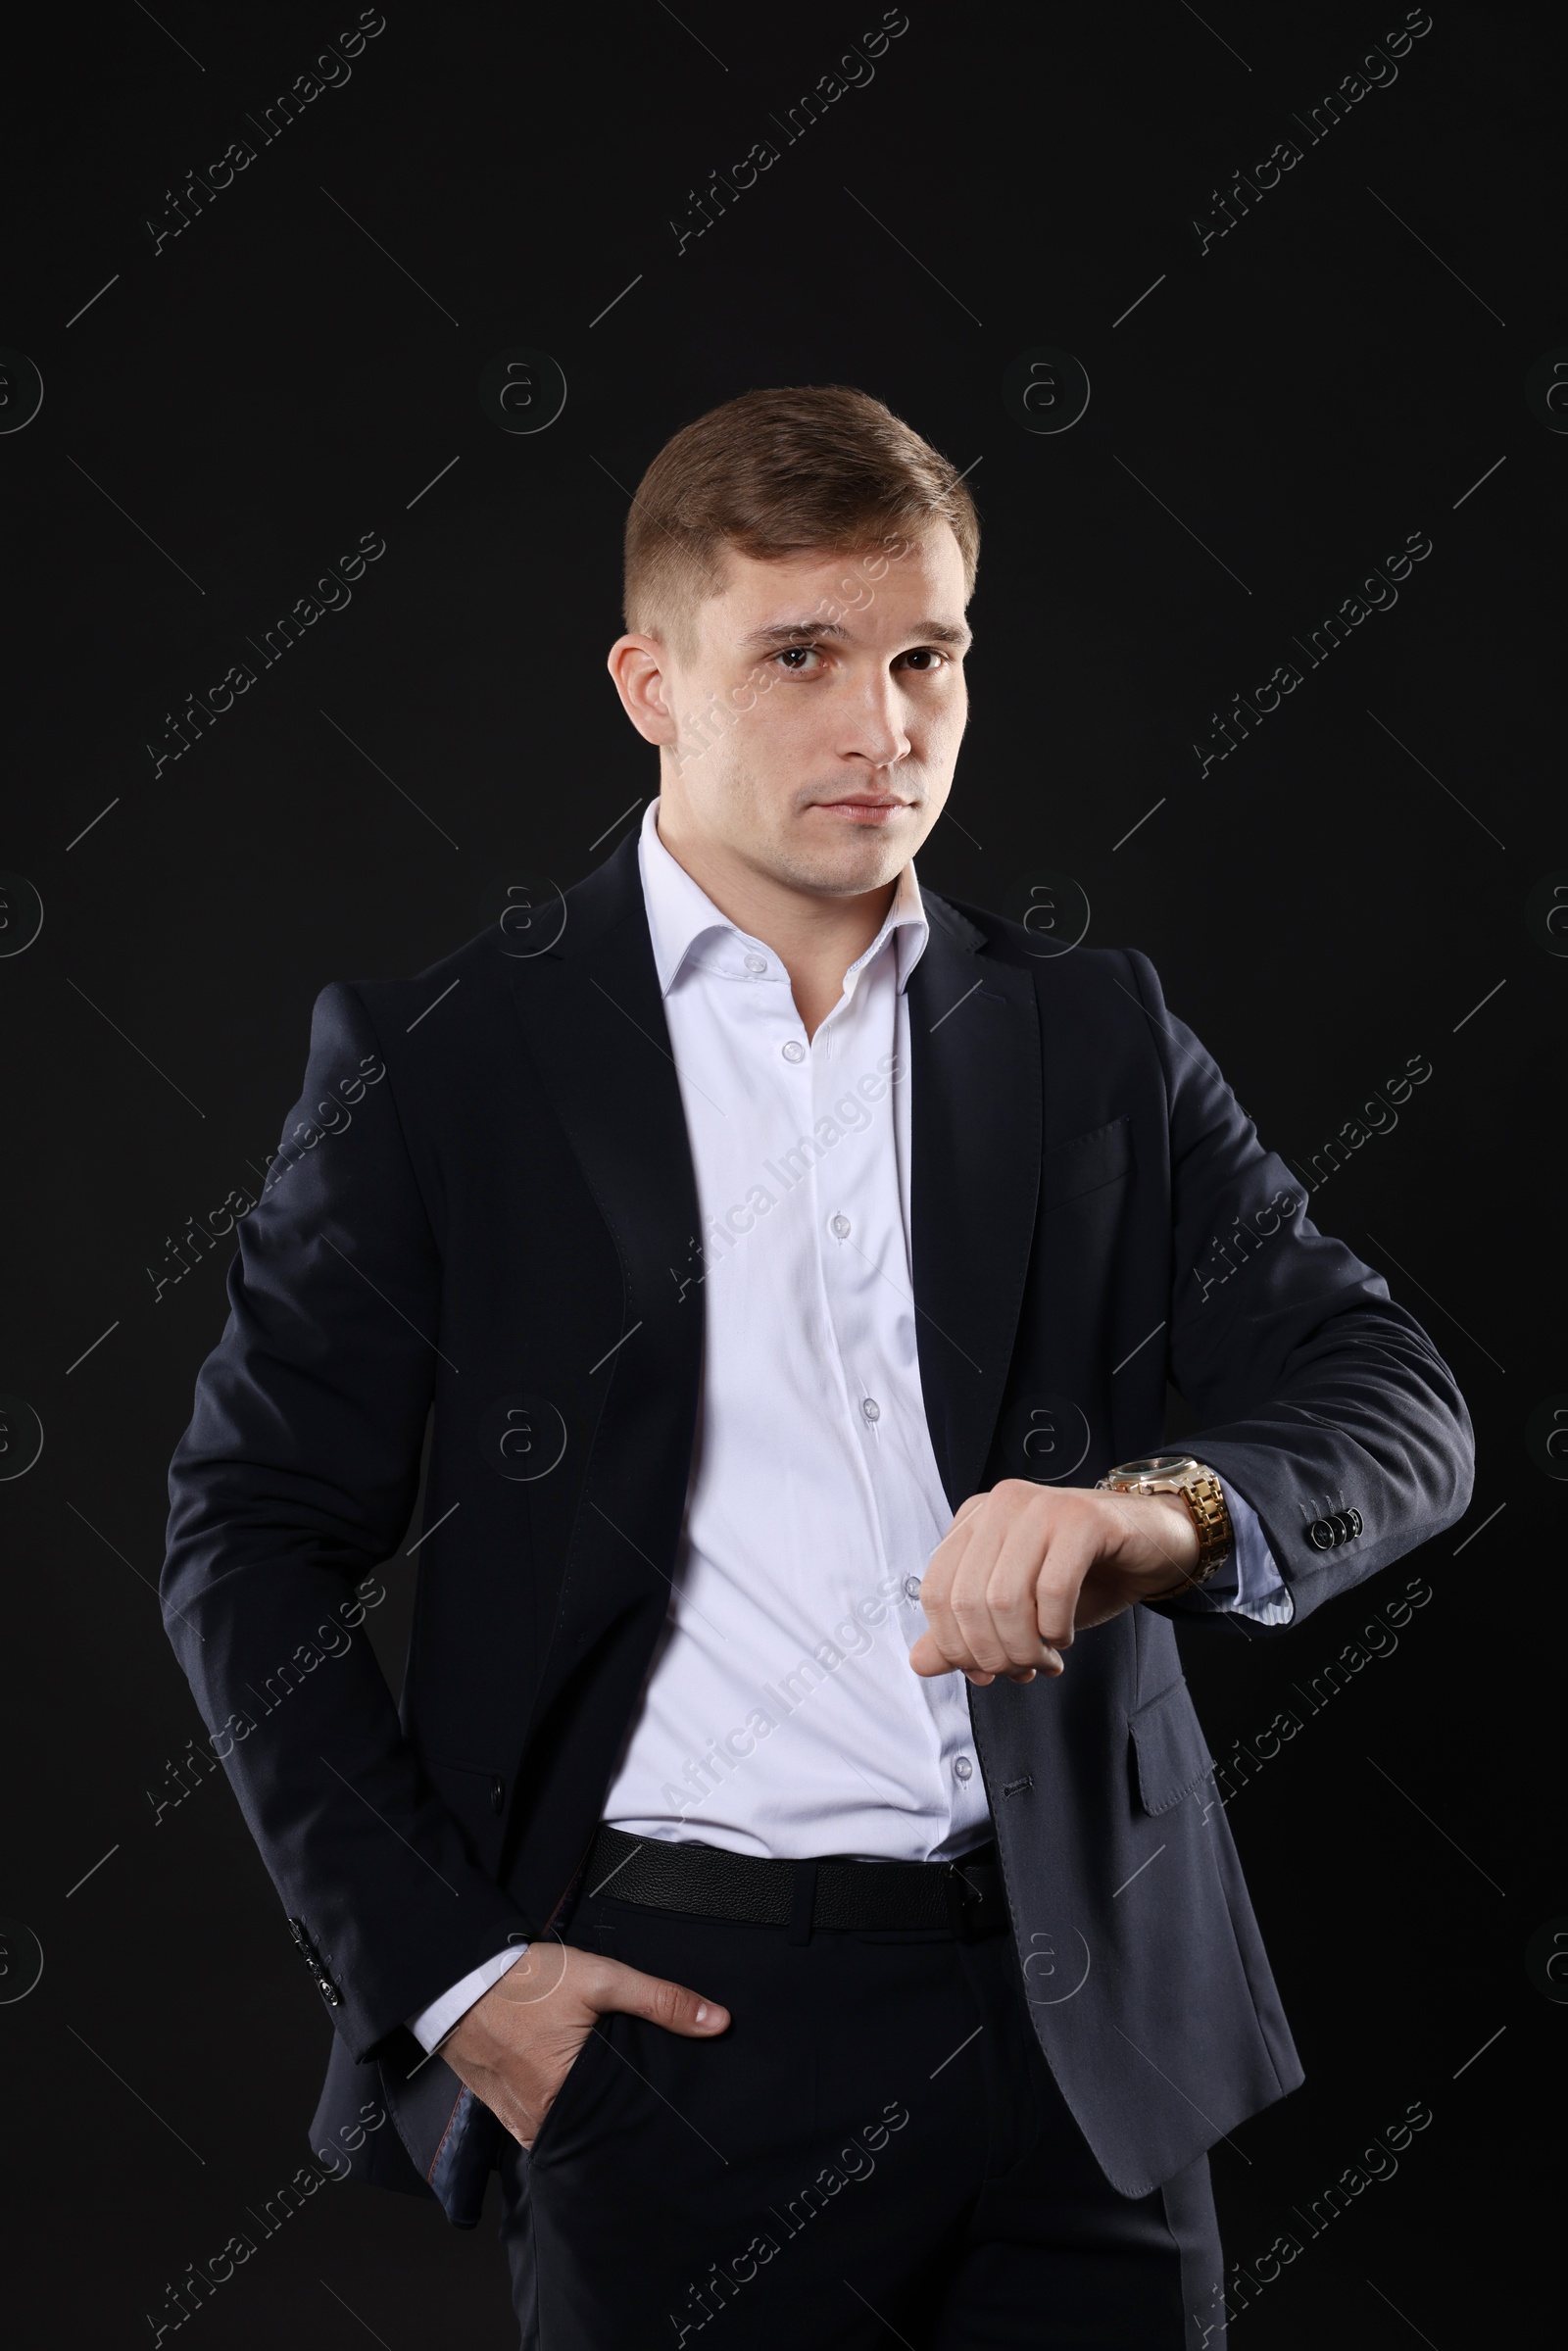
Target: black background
(227,417)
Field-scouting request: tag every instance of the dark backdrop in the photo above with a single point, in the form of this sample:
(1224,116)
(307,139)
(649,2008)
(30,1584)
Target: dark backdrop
(1365,879)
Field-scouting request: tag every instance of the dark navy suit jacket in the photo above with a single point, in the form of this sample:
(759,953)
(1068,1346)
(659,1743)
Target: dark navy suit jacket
(485,1196)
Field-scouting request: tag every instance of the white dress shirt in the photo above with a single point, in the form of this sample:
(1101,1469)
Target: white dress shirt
(780,1716)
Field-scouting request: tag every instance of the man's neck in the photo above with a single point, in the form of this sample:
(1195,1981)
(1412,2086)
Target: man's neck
(815,935)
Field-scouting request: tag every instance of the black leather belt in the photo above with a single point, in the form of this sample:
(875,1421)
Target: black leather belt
(963,1897)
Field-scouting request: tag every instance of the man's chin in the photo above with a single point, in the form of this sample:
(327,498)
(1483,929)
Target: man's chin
(844,869)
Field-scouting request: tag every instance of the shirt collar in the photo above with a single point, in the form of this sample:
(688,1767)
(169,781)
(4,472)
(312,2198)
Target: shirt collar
(680,915)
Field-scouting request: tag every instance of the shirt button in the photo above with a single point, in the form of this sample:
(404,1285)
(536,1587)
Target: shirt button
(756,962)
(962,1769)
(841,1226)
(871,1408)
(794,1051)
(911,1588)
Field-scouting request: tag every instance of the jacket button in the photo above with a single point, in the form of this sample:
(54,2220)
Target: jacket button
(498,1794)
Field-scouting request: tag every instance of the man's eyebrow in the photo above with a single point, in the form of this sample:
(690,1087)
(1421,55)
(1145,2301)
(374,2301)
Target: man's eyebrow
(791,632)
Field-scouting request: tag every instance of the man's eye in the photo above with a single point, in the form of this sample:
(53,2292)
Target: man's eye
(796,658)
(925,657)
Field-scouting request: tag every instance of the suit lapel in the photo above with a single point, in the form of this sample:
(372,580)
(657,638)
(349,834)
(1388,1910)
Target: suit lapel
(976,1117)
(594,1026)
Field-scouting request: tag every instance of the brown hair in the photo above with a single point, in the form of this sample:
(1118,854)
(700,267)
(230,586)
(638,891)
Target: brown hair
(805,468)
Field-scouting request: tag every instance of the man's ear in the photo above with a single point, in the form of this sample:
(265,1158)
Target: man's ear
(639,666)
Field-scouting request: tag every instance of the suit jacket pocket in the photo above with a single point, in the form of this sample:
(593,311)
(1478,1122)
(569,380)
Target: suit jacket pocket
(1084,1163)
(1169,1749)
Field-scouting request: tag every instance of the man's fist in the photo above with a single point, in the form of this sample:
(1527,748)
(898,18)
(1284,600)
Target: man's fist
(1025,1567)
(514,2046)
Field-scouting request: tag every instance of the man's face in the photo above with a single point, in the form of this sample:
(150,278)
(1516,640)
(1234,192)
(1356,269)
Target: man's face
(818,713)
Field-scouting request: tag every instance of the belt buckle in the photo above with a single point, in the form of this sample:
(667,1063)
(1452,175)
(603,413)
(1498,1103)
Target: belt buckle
(964,1904)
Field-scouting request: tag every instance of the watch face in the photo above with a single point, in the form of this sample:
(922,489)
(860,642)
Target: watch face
(1159,1465)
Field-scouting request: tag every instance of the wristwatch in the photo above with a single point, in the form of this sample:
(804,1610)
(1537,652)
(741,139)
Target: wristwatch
(1205,1496)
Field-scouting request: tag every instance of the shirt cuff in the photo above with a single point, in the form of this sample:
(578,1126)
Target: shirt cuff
(1249,1582)
(433,2023)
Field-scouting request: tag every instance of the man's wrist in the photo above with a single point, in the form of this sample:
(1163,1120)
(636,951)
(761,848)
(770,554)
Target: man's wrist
(1199,1493)
(1175,1564)
(432,2025)
(1156,1543)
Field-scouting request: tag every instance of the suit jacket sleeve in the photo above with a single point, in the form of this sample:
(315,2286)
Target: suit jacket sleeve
(1313,1390)
(296,1477)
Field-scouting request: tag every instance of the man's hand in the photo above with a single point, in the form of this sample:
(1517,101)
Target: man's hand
(516,2045)
(1025,1567)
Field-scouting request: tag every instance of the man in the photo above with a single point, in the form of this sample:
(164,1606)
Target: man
(794,1859)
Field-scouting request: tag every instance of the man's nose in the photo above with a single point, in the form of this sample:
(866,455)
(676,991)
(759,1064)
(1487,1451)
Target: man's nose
(874,730)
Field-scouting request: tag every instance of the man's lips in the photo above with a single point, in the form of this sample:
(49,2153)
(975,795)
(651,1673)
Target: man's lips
(863,804)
